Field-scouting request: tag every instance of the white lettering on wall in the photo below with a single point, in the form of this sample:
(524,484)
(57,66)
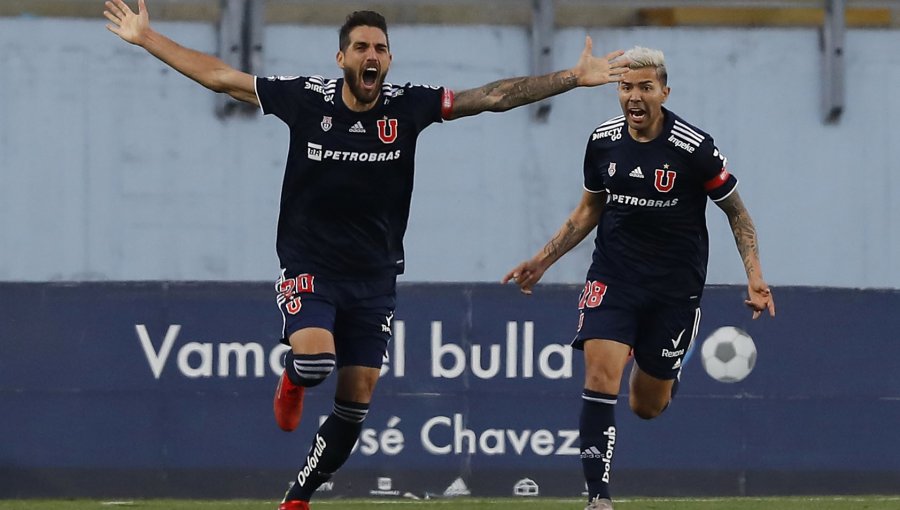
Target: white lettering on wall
(449,360)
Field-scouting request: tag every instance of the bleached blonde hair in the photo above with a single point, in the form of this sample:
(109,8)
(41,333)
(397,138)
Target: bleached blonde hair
(641,57)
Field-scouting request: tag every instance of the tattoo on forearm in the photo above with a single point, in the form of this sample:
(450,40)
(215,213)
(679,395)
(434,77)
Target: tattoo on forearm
(563,241)
(745,237)
(503,95)
(744,232)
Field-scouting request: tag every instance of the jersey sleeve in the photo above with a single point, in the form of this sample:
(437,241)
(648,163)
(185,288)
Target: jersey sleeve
(281,96)
(429,103)
(713,165)
(593,177)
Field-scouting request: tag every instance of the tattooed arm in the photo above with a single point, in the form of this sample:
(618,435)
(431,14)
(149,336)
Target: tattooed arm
(759,295)
(503,95)
(580,223)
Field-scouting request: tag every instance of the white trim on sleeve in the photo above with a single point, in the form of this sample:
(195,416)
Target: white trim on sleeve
(730,192)
(256,91)
(604,190)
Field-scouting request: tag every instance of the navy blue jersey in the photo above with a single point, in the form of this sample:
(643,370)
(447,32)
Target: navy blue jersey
(652,232)
(349,176)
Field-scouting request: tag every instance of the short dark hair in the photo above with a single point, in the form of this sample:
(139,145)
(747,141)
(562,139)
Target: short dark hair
(361,19)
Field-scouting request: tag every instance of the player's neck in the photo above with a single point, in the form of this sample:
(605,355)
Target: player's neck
(354,104)
(649,133)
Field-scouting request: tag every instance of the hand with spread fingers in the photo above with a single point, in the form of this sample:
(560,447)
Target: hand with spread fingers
(130,26)
(591,71)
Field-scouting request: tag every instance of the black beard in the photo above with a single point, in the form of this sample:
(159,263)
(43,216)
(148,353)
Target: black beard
(363,96)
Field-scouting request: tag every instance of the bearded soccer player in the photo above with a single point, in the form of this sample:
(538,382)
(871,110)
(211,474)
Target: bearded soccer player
(344,205)
(647,177)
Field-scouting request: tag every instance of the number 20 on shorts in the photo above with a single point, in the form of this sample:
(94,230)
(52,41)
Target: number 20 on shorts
(291,288)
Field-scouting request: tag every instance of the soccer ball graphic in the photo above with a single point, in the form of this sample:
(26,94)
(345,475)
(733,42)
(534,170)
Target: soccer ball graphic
(728,354)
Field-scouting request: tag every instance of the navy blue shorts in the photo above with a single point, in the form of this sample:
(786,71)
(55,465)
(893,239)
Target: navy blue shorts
(659,331)
(358,314)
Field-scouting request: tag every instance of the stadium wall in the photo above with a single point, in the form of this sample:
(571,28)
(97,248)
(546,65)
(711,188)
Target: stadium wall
(164,390)
(114,167)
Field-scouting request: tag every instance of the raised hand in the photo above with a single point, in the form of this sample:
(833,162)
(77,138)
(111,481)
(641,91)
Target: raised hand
(125,23)
(591,71)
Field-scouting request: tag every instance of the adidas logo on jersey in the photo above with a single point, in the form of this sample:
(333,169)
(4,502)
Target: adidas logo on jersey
(357,128)
(637,173)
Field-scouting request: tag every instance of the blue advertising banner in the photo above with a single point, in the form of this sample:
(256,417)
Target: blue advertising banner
(165,389)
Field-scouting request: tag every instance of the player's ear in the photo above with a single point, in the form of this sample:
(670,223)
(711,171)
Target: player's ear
(340,59)
(666,91)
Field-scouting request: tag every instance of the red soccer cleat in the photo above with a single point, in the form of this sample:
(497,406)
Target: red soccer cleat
(294,504)
(288,407)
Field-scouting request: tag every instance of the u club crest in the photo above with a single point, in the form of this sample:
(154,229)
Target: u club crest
(387,130)
(326,123)
(664,180)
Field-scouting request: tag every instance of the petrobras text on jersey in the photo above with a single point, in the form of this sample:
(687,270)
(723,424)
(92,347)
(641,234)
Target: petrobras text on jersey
(641,202)
(514,358)
(316,152)
(449,435)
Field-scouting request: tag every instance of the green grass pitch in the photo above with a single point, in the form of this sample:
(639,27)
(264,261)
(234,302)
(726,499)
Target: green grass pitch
(792,503)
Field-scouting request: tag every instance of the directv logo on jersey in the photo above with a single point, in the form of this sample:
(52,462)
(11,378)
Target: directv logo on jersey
(314,87)
(321,86)
(613,133)
(681,145)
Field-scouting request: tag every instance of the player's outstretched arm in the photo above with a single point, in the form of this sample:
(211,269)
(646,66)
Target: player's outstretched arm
(503,95)
(759,294)
(582,220)
(205,69)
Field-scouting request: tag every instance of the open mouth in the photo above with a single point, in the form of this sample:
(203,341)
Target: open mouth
(637,114)
(369,76)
